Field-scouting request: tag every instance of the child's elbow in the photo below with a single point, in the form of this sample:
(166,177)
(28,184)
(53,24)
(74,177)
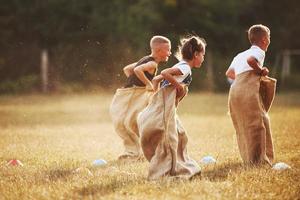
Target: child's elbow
(164,73)
(227,73)
(251,61)
(230,74)
(136,70)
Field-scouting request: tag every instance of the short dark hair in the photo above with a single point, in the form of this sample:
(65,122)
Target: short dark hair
(257,32)
(188,46)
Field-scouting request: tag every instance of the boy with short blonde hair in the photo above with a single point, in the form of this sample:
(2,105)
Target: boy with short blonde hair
(250,98)
(134,96)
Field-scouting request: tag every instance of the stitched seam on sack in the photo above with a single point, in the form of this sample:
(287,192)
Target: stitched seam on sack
(167,140)
(128,105)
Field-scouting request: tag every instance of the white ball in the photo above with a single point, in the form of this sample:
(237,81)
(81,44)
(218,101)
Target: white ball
(99,162)
(281,166)
(208,160)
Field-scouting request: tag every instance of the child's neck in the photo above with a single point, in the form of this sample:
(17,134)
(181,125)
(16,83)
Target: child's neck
(189,62)
(260,45)
(156,59)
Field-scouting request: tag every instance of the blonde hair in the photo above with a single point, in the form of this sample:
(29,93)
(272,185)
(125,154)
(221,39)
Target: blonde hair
(188,46)
(257,32)
(158,39)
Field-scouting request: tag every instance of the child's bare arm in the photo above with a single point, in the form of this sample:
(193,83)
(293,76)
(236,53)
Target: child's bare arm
(168,75)
(254,64)
(139,72)
(128,70)
(156,80)
(230,73)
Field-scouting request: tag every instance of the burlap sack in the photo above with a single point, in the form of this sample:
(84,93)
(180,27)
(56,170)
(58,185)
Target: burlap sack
(163,138)
(267,91)
(125,106)
(250,98)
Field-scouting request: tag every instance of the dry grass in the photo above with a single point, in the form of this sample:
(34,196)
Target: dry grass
(54,135)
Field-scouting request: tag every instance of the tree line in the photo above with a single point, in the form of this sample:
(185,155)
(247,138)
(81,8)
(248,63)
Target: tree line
(88,42)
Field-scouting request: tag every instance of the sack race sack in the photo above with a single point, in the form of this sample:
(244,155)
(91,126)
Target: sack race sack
(250,99)
(124,109)
(163,138)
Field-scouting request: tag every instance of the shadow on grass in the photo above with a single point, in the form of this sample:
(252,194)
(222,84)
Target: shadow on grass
(220,173)
(50,176)
(56,174)
(107,187)
(113,178)
(103,189)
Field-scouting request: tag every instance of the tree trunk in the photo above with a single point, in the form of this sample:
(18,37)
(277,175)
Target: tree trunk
(44,70)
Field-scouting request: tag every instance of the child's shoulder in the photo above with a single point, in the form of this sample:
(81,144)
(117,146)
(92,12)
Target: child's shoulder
(145,59)
(242,53)
(181,65)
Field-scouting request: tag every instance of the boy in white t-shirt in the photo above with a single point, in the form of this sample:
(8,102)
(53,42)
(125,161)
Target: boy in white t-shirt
(249,116)
(251,59)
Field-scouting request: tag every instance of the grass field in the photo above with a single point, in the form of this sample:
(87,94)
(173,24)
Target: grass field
(54,135)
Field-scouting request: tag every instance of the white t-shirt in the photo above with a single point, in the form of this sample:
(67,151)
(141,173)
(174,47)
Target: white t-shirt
(185,69)
(240,64)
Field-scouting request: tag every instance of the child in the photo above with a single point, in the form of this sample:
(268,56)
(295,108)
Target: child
(250,98)
(134,97)
(163,138)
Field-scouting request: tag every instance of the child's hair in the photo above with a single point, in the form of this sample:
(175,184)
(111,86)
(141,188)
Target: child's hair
(158,39)
(188,46)
(257,32)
